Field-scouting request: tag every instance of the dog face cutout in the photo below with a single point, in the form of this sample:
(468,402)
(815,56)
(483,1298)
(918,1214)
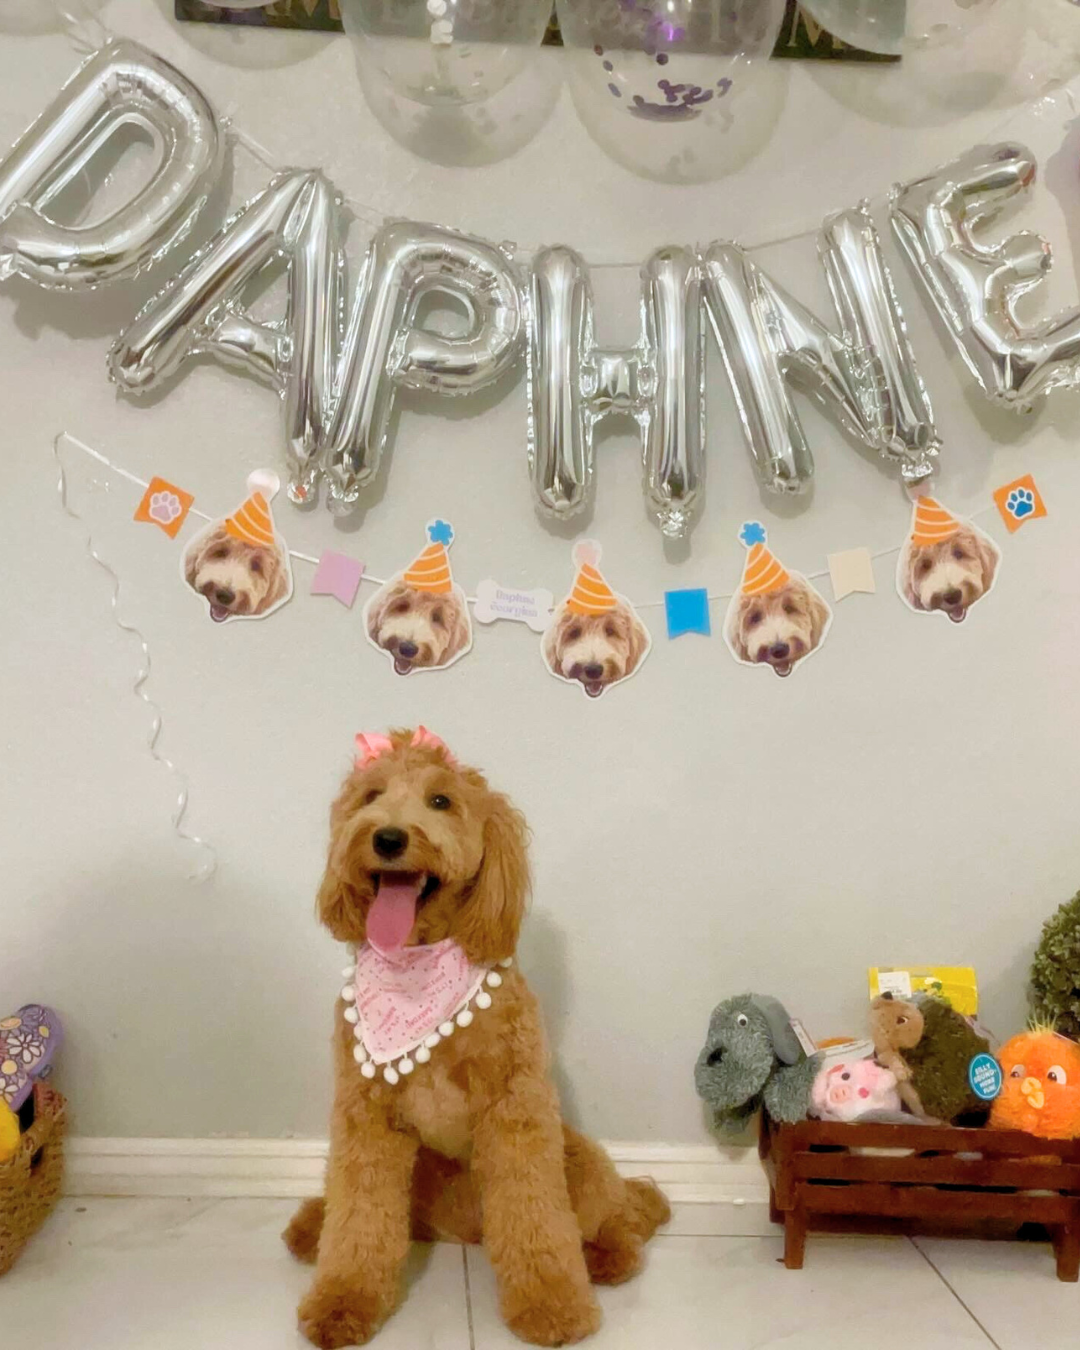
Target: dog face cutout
(595,651)
(949,575)
(237,579)
(418,629)
(777,629)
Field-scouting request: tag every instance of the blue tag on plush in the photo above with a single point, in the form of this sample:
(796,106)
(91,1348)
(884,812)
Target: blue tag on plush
(984,1075)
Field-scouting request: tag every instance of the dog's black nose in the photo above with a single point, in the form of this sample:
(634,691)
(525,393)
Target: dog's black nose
(407,649)
(594,671)
(224,596)
(779,651)
(389,842)
(953,597)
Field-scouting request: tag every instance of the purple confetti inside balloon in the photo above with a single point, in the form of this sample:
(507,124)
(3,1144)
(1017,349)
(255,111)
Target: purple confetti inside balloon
(608,67)
(615,90)
(662,59)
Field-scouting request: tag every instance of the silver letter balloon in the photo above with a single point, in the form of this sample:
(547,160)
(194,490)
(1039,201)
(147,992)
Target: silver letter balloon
(122,84)
(660,382)
(337,380)
(976,287)
(865,377)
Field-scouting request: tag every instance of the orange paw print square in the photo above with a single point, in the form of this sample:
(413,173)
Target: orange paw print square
(165,506)
(1019,502)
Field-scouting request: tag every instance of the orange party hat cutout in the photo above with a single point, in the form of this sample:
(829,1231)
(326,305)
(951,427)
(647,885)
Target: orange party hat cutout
(430,570)
(762,572)
(932,522)
(590,594)
(252,522)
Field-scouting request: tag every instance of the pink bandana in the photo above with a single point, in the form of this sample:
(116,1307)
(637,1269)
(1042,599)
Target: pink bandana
(402,1001)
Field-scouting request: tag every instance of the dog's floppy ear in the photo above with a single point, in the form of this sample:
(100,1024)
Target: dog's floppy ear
(988,556)
(734,630)
(552,638)
(459,639)
(374,616)
(191,560)
(819,615)
(336,904)
(279,586)
(784,1041)
(639,643)
(488,923)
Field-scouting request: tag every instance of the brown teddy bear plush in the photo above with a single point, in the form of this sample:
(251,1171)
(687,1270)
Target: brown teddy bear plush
(895,1025)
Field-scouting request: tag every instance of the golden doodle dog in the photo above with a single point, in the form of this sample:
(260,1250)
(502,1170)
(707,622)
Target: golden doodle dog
(237,577)
(778,627)
(466,1142)
(946,564)
(597,650)
(419,629)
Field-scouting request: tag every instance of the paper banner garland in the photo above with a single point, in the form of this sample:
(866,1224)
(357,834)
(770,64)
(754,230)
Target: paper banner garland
(240,565)
(776,618)
(1018,502)
(419,618)
(165,506)
(850,571)
(505,602)
(687,612)
(946,564)
(595,638)
(338,575)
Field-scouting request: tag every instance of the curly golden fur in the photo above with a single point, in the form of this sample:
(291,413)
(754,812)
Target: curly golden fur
(779,628)
(420,630)
(471,1145)
(949,575)
(596,650)
(236,579)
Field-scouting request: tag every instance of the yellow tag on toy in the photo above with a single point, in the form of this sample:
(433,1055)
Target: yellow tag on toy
(956,984)
(9,1132)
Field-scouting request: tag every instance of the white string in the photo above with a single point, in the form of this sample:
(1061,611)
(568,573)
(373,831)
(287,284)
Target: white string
(471,599)
(209,866)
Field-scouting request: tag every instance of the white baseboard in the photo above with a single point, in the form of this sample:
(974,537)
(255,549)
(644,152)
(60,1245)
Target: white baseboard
(712,1190)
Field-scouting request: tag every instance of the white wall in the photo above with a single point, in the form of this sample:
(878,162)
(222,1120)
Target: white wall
(909,795)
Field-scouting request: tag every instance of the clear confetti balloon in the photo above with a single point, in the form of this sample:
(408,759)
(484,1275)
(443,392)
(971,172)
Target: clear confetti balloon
(896,27)
(440,52)
(671,88)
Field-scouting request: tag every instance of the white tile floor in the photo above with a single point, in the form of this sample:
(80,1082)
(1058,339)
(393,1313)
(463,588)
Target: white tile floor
(202,1274)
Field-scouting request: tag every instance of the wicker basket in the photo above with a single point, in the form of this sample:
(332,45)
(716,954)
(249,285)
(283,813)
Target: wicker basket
(30,1181)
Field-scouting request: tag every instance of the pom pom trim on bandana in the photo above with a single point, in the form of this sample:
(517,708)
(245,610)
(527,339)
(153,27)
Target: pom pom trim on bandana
(420,1053)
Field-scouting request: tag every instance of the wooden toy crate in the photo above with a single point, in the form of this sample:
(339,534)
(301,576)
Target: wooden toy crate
(30,1181)
(819,1176)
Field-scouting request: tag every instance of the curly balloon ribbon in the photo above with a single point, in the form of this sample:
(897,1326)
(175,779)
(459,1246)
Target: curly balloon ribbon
(209,867)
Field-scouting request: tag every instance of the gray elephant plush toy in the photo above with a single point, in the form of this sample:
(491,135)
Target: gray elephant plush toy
(752,1057)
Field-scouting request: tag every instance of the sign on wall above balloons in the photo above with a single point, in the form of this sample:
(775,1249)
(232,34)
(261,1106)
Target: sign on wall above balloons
(338,355)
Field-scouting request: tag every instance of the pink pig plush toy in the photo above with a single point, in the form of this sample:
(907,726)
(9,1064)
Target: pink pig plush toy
(850,1088)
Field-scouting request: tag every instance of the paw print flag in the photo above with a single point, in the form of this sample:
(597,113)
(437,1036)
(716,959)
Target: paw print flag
(946,564)
(164,505)
(419,619)
(1018,502)
(239,565)
(776,618)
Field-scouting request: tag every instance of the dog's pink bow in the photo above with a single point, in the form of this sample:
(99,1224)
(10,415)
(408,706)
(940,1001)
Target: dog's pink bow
(371,744)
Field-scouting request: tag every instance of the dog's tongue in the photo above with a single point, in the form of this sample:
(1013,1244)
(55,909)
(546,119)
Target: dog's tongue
(393,913)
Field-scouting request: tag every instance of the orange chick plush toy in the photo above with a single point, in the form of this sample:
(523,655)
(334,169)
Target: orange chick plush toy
(1040,1091)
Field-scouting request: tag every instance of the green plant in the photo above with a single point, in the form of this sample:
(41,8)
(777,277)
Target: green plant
(1055,971)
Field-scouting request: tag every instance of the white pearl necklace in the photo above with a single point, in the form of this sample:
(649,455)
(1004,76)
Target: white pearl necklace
(421,1052)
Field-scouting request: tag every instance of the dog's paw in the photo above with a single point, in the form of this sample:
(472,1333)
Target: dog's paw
(336,1314)
(305,1227)
(557,1315)
(1020,503)
(616,1261)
